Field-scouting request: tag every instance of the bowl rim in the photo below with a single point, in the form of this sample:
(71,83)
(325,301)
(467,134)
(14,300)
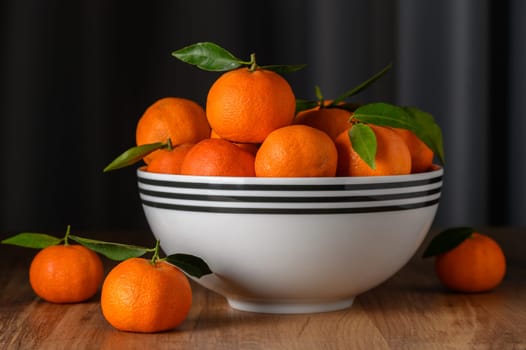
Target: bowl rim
(436,171)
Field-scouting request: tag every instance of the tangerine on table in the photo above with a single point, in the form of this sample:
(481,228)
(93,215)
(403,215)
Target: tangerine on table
(478,264)
(179,119)
(421,154)
(296,151)
(218,157)
(245,106)
(392,155)
(141,296)
(332,121)
(66,273)
(169,161)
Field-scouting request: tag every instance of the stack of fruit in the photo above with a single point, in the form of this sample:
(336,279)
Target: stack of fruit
(253,125)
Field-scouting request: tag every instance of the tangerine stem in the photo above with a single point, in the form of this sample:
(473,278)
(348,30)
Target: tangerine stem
(155,256)
(66,237)
(253,65)
(169,145)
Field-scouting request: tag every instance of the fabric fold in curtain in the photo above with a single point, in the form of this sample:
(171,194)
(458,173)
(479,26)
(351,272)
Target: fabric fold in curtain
(75,77)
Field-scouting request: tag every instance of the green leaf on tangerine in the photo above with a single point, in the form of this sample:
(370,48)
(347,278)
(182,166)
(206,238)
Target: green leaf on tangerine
(410,118)
(133,155)
(363,141)
(192,265)
(447,240)
(384,114)
(32,240)
(284,68)
(114,251)
(428,131)
(362,86)
(303,105)
(208,56)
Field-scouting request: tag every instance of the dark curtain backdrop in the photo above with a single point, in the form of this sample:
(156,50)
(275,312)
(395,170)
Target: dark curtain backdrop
(77,75)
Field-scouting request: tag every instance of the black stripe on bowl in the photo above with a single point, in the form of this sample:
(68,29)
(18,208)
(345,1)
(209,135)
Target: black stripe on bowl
(282,199)
(289,187)
(309,211)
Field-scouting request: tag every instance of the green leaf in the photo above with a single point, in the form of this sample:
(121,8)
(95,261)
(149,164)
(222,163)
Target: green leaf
(410,118)
(133,155)
(284,68)
(208,56)
(364,85)
(428,131)
(363,141)
(384,114)
(447,240)
(190,264)
(319,95)
(32,240)
(303,105)
(114,251)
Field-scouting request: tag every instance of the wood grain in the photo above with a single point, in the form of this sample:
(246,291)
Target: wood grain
(409,311)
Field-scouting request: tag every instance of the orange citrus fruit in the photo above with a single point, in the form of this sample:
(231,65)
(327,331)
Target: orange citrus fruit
(421,155)
(66,273)
(218,157)
(245,106)
(179,119)
(392,155)
(332,121)
(478,264)
(169,161)
(141,296)
(296,151)
(250,147)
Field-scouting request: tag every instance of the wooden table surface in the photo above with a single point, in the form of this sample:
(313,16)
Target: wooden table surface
(409,311)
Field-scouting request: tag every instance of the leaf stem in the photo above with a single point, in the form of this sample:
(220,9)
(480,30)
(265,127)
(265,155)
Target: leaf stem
(319,96)
(169,145)
(252,63)
(155,256)
(66,237)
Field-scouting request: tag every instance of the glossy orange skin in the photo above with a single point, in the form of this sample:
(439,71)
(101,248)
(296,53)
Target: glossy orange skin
(296,151)
(392,155)
(138,296)
(478,264)
(245,106)
(169,161)
(218,157)
(332,121)
(250,147)
(179,119)
(66,273)
(421,155)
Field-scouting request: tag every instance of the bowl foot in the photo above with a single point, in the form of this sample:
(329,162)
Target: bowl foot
(289,308)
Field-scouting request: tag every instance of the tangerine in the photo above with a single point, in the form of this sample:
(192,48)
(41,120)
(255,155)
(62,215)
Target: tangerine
(169,161)
(179,119)
(245,105)
(421,154)
(392,155)
(66,273)
(250,147)
(141,296)
(296,151)
(218,157)
(332,121)
(477,264)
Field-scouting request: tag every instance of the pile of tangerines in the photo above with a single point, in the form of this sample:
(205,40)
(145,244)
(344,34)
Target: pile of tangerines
(251,126)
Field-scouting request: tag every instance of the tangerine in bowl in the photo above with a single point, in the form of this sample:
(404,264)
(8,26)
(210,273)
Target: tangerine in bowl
(292,245)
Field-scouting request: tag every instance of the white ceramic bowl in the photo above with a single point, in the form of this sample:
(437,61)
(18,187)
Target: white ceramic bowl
(292,245)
